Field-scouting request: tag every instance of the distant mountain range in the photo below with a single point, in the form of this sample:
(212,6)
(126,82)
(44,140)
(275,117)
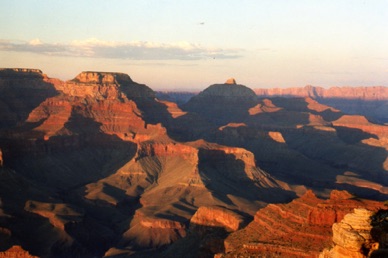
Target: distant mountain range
(103,166)
(369,101)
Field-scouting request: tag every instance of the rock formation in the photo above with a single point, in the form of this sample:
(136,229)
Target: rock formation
(369,101)
(301,228)
(230,81)
(357,236)
(223,102)
(216,217)
(97,165)
(16,252)
(363,93)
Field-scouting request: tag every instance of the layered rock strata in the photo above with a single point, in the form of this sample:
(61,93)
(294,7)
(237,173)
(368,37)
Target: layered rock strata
(354,237)
(369,101)
(301,228)
(16,252)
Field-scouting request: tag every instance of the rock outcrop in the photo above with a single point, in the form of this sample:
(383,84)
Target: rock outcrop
(354,237)
(16,251)
(103,85)
(230,81)
(301,228)
(216,217)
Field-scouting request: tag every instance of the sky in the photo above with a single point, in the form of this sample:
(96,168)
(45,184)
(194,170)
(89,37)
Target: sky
(191,44)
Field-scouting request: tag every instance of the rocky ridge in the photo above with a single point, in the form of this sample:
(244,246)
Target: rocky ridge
(369,101)
(363,93)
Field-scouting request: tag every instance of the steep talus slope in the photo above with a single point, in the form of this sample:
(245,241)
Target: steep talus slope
(301,228)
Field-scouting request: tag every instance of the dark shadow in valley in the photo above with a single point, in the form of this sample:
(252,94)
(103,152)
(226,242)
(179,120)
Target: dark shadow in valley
(69,161)
(179,97)
(363,192)
(375,110)
(225,175)
(221,110)
(19,95)
(300,105)
(200,241)
(335,153)
(61,166)
(353,135)
(309,156)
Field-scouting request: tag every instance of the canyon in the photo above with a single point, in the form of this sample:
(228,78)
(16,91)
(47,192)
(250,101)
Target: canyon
(367,101)
(102,166)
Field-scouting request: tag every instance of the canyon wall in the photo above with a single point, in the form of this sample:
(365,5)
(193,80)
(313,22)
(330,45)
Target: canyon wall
(369,101)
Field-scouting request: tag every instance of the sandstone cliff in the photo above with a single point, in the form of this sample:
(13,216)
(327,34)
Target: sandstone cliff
(357,236)
(216,217)
(301,228)
(362,93)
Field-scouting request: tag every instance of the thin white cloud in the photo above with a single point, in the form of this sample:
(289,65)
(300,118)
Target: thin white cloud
(134,50)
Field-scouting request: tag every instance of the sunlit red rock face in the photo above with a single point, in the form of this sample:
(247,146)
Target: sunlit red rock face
(301,228)
(16,252)
(361,233)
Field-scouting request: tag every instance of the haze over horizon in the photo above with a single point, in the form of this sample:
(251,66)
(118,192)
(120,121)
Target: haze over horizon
(192,44)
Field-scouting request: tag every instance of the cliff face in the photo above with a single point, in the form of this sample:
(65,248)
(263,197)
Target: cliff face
(22,90)
(216,217)
(359,234)
(360,93)
(102,85)
(301,228)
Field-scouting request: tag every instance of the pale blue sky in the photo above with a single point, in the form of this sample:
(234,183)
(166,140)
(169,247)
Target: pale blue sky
(192,44)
